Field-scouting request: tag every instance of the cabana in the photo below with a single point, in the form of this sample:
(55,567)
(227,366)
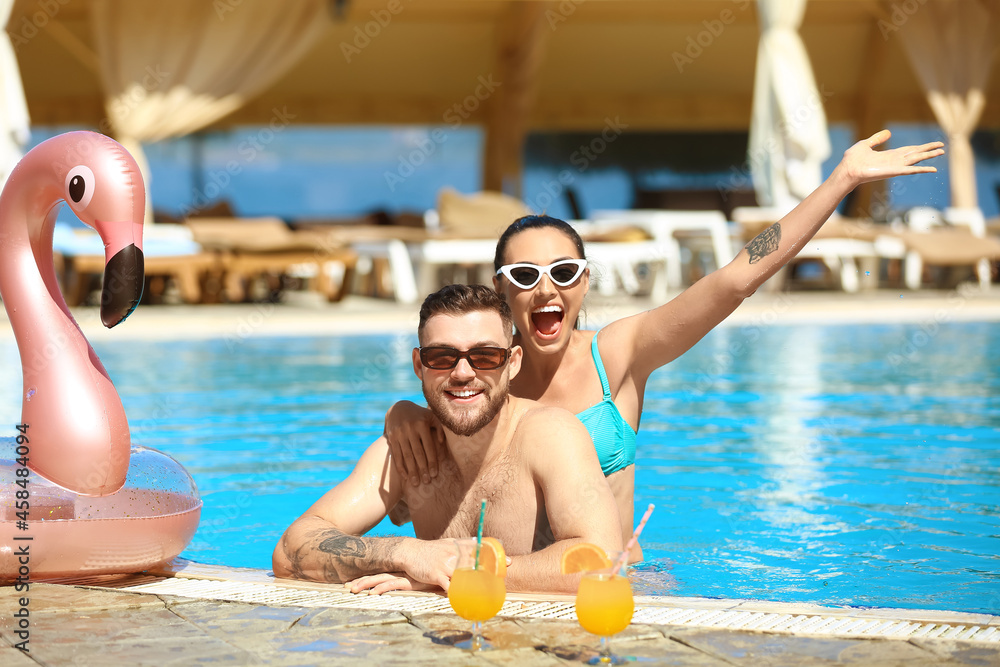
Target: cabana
(145,71)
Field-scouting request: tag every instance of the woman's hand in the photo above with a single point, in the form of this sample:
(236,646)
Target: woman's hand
(416,441)
(863,164)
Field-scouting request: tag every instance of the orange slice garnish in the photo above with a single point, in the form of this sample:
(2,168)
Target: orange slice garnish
(492,557)
(584,557)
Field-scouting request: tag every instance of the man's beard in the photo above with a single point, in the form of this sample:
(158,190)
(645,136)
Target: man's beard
(465,421)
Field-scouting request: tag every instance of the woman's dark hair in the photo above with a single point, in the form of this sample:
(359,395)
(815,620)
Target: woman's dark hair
(535,222)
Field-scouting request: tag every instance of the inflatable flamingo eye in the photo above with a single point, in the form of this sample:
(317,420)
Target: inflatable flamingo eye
(80,184)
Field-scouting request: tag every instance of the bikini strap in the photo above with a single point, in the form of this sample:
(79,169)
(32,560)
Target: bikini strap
(601,373)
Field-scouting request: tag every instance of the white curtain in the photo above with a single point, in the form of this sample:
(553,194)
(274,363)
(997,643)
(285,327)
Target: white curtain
(172,68)
(15,126)
(788,133)
(952,45)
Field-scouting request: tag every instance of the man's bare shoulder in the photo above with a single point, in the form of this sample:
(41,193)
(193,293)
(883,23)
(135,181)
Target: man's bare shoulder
(558,427)
(365,496)
(375,464)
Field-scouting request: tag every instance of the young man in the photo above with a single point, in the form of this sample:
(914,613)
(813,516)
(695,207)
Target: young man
(535,466)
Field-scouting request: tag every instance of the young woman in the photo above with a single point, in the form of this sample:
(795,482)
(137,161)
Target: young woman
(601,376)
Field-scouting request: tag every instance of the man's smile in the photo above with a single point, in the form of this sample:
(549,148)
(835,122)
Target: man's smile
(464,393)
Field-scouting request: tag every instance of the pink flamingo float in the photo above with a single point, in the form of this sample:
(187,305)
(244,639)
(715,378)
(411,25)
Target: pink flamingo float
(92,503)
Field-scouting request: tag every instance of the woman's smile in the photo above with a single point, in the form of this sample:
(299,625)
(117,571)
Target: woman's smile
(547,321)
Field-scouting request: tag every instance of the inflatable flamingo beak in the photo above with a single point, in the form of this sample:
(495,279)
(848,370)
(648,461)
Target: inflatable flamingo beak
(124,270)
(103,186)
(124,276)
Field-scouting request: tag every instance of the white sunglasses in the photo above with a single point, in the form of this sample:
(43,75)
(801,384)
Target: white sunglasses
(563,273)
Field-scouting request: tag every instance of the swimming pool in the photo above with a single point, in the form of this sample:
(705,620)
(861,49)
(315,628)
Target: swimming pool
(834,464)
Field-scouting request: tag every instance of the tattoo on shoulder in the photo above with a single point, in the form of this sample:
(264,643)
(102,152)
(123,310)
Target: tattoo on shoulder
(344,545)
(764,243)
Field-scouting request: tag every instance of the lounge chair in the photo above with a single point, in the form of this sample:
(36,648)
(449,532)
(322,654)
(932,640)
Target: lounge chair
(169,253)
(250,248)
(461,232)
(954,238)
(849,249)
(469,226)
(699,230)
(624,254)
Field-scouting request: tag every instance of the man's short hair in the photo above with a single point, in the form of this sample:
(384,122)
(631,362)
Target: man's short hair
(462,299)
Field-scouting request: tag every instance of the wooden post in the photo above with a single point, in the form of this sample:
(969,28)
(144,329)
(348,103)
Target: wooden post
(868,119)
(522,32)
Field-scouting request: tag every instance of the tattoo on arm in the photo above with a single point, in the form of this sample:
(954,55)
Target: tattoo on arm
(764,243)
(328,554)
(344,545)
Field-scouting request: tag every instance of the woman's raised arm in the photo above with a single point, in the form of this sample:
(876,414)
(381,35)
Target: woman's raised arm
(661,335)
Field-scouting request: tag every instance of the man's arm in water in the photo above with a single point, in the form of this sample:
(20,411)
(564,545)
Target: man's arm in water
(327,542)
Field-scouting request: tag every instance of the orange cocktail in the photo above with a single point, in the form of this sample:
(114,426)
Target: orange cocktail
(476,595)
(604,603)
(477,590)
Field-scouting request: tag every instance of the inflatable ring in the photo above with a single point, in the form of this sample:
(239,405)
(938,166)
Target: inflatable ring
(148,521)
(76,495)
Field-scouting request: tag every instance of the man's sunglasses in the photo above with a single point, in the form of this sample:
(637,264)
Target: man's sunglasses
(480,358)
(563,273)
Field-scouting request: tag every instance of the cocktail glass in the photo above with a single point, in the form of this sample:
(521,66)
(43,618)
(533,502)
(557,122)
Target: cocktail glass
(475,594)
(604,607)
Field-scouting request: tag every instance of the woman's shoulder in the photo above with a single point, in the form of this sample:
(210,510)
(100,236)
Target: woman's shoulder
(583,339)
(620,330)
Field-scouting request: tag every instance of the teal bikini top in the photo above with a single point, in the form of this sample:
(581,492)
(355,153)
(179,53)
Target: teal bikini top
(613,438)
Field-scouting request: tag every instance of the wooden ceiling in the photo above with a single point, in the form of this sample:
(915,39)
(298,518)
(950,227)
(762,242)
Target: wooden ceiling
(602,58)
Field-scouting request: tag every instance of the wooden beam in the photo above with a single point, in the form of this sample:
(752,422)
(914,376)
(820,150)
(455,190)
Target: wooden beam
(76,48)
(522,34)
(84,110)
(552,112)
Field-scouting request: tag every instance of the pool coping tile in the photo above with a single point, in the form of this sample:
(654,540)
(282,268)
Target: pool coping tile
(178,630)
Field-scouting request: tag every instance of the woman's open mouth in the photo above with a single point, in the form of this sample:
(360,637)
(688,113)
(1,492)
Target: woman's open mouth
(547,321)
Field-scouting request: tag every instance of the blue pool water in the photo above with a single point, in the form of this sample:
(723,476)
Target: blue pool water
(853,465)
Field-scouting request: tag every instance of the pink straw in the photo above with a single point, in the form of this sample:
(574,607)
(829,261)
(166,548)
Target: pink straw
(631,543)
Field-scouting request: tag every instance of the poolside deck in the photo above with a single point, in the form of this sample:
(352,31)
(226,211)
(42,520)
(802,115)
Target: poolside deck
(307,314)
(188,613)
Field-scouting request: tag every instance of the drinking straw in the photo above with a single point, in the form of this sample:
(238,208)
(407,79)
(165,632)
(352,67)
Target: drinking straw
(479,531)
(631,542)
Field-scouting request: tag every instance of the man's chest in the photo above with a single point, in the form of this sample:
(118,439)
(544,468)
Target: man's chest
(448,508)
